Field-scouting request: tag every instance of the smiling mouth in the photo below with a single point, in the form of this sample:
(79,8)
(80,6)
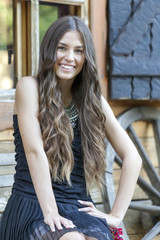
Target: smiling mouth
(67,67)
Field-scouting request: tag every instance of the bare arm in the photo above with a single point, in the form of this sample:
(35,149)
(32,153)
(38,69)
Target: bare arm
(27,109)
(130,169)
(131,162)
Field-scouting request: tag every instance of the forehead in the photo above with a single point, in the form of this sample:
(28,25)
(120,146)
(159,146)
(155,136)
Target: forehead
(72,37)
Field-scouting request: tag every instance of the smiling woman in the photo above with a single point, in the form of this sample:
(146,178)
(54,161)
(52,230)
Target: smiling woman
(70,56)
(60,124)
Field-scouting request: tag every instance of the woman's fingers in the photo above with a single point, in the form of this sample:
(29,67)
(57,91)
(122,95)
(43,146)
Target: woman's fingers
(67,223)
(90,204)
(58,222)
(91,209)
(95,214)
(86,209)
(51,224)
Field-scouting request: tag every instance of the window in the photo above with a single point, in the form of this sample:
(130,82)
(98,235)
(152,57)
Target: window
(48,13)
(23,24)
(6,45)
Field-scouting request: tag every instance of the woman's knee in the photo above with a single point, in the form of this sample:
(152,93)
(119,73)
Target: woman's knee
(73,236)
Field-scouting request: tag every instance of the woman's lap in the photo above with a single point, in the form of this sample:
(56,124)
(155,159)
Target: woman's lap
(24,220)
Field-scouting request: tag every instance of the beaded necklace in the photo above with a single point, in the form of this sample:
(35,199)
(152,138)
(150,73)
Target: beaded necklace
(72,112)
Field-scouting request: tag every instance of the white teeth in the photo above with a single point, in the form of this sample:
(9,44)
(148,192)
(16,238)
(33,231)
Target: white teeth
(67,67)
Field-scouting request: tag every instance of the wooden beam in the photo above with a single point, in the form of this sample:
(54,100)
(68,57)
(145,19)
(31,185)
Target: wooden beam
(7,159)
(153,209)
(153,232)
(34,36)
(6,180)
(74,2)
(98,24)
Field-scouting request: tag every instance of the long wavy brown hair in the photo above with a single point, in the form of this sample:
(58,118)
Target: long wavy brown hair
(55,125)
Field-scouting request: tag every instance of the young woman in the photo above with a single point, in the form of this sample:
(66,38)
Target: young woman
(60,124)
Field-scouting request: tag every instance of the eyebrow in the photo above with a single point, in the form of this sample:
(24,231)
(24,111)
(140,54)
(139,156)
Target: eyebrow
(67,45)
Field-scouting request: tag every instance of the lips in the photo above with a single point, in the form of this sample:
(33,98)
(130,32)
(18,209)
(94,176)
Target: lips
(67,67)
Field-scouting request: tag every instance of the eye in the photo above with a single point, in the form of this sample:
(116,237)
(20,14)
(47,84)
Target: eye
(61,48)
(79,51)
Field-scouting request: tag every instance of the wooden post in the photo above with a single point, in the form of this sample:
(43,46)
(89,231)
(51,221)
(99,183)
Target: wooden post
(34,36)
(99,31)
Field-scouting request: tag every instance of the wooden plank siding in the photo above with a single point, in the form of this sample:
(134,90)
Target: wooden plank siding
(7,163)
(7,170)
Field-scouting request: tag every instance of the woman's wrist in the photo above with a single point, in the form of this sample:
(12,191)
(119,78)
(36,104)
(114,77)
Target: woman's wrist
(48,210)
(113,220)
(117,215)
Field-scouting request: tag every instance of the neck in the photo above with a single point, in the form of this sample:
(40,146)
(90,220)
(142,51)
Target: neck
(65,87)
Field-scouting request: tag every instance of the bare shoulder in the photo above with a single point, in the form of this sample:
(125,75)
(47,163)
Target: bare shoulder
(28,83)
(26,93)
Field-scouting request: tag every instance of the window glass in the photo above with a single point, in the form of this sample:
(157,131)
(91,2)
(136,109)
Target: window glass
(6,45)
(48,13)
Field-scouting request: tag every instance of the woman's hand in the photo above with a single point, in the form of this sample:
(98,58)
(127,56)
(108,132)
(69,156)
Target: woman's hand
(112,220)
(55,220)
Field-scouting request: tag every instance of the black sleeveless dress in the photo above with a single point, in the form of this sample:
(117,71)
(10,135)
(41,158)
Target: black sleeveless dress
(23,218)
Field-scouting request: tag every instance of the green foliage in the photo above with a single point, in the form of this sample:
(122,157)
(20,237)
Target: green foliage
(47,15)
(6,23)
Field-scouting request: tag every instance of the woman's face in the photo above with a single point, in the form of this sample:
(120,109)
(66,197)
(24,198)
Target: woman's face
(70,56)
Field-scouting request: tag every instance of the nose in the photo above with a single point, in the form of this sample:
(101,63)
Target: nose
(69,55)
